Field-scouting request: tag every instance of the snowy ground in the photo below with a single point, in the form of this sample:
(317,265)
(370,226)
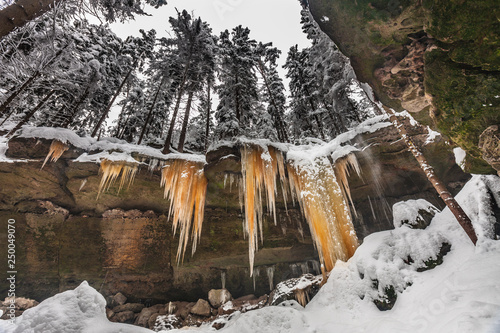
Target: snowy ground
(460,295)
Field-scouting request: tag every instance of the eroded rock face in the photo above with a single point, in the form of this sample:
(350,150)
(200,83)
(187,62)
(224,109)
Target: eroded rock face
(123,242)
(432,58)
(489,143)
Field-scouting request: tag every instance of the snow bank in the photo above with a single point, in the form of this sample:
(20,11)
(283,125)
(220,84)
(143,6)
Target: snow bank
(109,148)
(75,311)
(459,295)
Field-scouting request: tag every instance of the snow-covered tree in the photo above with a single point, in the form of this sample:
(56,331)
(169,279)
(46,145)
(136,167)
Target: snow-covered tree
(195,52)
(238,89)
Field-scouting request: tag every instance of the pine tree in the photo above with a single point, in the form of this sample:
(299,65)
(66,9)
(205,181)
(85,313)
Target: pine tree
(303,90)
(194,47)
(273,88)
(238,90)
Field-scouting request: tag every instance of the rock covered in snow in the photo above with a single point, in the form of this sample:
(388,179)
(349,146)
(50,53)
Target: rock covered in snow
(217,297)
(417,214)
(301,289)
(81,310)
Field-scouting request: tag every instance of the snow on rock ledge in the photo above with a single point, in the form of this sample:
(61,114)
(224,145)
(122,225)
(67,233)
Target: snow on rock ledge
(74,311)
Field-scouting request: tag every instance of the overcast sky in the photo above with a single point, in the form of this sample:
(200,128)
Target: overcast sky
(276,21)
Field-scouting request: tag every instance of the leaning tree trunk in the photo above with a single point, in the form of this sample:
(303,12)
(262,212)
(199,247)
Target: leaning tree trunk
(28,82)
(31,113)
(21,12)
(182,136)
(443,192)
(150,113)
(108,108)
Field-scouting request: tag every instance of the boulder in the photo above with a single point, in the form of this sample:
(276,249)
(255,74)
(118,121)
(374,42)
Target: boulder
(134,307)
(183,309)
(152,320)
(118,299)
(416,214)
(143,318)
(124,317)
(217,297)
(201,308)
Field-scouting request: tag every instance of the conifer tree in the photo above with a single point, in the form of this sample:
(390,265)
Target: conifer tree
(238,90)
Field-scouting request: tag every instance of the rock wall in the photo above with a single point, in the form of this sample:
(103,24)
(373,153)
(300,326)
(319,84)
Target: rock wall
(436,59)
(123,242)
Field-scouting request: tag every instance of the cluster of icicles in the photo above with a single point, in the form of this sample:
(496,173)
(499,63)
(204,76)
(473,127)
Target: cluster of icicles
(321,189)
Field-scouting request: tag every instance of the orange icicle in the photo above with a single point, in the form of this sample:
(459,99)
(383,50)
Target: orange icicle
(57,148)
(323,203)
(260,168)
(185,187)
(111,170)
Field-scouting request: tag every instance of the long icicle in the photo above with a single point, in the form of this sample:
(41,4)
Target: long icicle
(185,187)
(260,168)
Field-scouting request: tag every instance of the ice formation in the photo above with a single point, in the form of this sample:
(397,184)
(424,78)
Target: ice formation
(57,148)
(320,189)
(111,170)
(185,187)
(260,168)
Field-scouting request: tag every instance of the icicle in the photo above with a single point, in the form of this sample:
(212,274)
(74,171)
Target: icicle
(270,276)
(255,273)
(223,279)
(57,148)
(83,184)
(342,166)
(322,202)
(185,187)
(111,170)
(260,168)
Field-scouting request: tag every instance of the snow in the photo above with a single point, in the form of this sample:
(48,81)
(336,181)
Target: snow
(75,311)
(55,133)
(431,136)
(409,211)
(459,295)
(460,155)
(109,148)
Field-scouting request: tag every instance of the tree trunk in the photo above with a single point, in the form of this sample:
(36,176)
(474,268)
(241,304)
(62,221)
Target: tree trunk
(31,113)
(168,140)
(28,82)
(21,12)
(108,108)
(80,101)
(237,100)
(443,192)
(278,122)
(150,113)
(209,106)
(182,136)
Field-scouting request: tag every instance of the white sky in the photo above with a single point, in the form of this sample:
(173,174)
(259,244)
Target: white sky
(276,21)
